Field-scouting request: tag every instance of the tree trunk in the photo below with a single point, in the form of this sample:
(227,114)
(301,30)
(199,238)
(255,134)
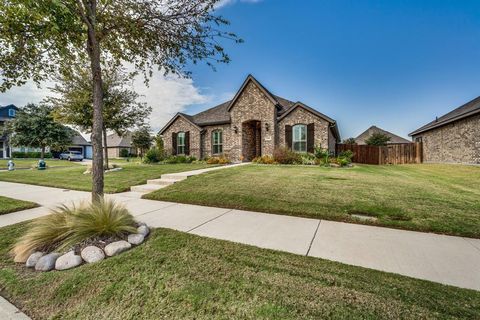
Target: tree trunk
(93,47)
(42,153)
(105,147)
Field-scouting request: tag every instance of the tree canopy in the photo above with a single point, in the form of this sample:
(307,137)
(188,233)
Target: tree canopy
(35,127)
(72,99)
(349,141)
(377,139)
(142,139)
(40,37)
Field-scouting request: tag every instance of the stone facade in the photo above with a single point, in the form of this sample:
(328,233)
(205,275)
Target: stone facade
(253,104)
(252,126)
(182,125)
(456,142)
(302,116)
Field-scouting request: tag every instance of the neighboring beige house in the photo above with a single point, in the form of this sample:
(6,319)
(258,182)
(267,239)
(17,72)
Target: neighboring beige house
(363,137)
(115,143)
(454,137)
(253,123)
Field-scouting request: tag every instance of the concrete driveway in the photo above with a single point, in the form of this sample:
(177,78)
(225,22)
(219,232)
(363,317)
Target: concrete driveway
(444,259)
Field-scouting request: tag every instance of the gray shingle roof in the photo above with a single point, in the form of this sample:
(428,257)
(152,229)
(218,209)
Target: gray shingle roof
(114,140)
(220,113)
(79,140)
(468,109)
(216,114)
(373,129)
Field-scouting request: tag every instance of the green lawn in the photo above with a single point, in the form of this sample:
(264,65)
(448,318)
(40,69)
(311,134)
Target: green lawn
(73,177)
(176,275)
(8,205)
(30,163)
(426,197)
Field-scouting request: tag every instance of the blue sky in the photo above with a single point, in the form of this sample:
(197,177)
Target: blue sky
(395,64)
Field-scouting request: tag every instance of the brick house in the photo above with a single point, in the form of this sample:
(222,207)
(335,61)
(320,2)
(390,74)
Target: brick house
(116,143)
(454,137)
(253,123)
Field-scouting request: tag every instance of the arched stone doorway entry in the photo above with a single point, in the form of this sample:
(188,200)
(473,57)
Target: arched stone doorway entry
(251,139)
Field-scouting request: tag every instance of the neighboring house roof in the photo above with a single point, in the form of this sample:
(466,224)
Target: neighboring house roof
(467,110)
(115,141)
(220,114)
(79,140)
(361,139)
(4,111)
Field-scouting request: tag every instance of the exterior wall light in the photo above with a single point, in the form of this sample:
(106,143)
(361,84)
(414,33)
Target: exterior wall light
(267,126)
(235,129)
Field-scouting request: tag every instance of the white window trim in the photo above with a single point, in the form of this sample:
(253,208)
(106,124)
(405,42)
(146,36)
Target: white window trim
(11,112)
(219,144)
(180,145)
(306,137)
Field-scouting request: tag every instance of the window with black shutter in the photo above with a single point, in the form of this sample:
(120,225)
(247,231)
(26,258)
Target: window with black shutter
(187,143)
(310,137)
(174,143)
(288,136)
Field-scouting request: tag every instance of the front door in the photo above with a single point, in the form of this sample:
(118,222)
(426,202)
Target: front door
(251,140)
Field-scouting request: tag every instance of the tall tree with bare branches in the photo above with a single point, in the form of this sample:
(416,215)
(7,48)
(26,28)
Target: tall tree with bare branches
(38,37)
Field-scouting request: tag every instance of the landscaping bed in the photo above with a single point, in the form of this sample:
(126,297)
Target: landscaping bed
(426,197)
(119,181)
(8,205)
(176,275)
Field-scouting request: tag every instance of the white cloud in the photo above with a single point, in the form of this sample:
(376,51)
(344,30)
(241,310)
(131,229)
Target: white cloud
(223,3)
(169,95)
(20,96)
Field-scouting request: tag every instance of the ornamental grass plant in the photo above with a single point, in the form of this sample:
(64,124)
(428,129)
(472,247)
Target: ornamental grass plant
(67,226)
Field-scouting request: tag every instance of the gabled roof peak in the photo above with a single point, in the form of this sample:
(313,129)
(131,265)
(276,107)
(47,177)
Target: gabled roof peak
(251,78)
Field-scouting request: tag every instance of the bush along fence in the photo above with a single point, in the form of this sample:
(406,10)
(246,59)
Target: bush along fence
(398,153)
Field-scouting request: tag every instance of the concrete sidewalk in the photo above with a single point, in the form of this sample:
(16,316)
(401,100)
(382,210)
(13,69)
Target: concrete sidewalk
(9,312)
(439,258)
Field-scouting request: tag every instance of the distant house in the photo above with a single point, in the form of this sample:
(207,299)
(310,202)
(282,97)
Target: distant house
(7,113)
(454,137)
(80,144)
(115,143)
(363,137)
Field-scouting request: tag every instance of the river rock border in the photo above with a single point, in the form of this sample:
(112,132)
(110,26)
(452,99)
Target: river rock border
(41,261)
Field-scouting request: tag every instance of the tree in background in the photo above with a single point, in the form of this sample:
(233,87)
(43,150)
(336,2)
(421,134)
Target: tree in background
(377,139)
(349,141)
(38,37)
(35,127)
(142,140)
(159,144)
(73,101)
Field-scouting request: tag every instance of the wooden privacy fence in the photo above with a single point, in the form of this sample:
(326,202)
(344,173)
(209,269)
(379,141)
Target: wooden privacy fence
(398,153)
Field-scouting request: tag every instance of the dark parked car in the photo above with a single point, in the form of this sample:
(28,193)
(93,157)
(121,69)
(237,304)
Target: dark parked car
(71,156)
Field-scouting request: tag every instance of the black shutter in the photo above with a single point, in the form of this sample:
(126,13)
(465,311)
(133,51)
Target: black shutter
(311,137)
(187,143)
(174,143)
(288,136)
